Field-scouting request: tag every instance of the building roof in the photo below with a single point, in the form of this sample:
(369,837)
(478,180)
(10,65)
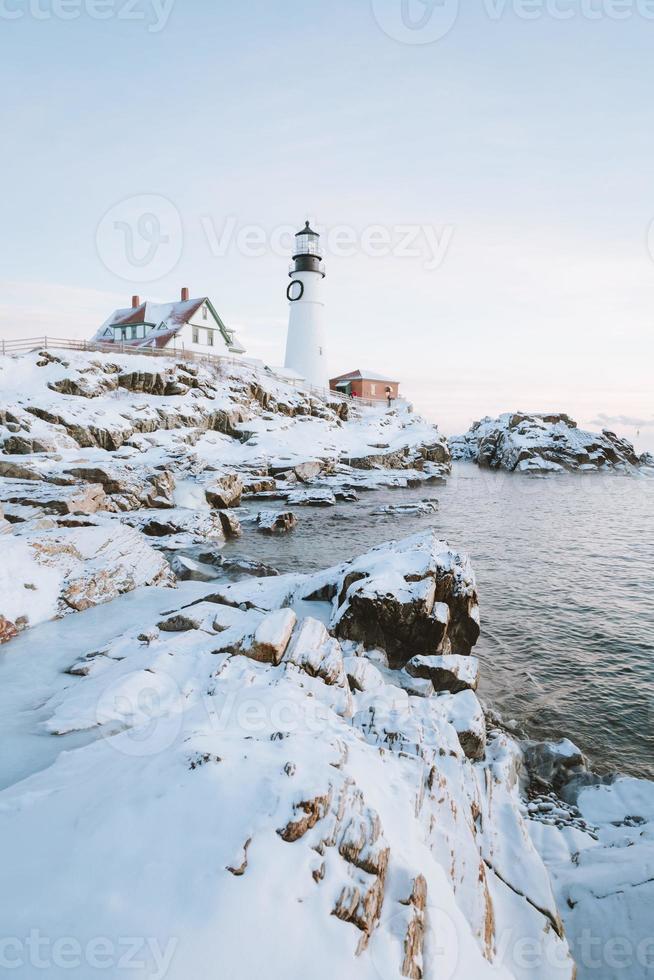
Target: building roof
(307,230)
(364,375)
(164,320)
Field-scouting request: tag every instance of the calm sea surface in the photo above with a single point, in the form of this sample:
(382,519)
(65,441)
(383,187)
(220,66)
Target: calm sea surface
(565,570)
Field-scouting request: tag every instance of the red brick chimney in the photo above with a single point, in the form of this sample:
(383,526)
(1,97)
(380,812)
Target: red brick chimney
(185,296)
(136,302)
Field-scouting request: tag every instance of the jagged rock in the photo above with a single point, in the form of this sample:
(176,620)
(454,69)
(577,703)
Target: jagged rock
(416,597)
(417,509)
(397,621)
(230,524)
(414,939)
(180,623)
(263,484)
(306,472)
(311,811)
(90,384)
(56,570)
(542,444)
(553,763)
(187,570)
(464,712)
(129,488)
(362,675)
(389,461)
(18,470)
(313,651)
(447,673)
(271,637)
(311,498)
(194,524)
(272,522)
(8,630)
(225,492)
(238,565)
(54,499)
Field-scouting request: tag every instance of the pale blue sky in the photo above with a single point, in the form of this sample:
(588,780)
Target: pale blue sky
(524,147)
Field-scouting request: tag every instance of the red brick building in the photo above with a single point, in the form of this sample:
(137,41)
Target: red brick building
(365,384)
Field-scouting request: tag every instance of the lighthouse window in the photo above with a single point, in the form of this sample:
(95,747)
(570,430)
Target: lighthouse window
(320,349)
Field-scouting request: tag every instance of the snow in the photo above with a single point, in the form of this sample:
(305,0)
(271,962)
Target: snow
(605,888)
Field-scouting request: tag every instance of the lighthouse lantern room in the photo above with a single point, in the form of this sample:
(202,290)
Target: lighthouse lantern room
(305,343)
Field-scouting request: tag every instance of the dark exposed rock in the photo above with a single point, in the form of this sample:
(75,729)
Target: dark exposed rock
(272,522)
(447,673)
(230,524)
(225,492)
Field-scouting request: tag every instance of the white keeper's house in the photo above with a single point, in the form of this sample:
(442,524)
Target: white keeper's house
(188,324)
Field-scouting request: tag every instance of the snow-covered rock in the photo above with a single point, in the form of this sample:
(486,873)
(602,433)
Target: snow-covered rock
(413,597)
(543,444)
(276,522)
(310,794)
(48,571)
(447,673)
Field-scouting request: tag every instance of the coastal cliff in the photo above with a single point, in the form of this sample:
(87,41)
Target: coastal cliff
(220,763)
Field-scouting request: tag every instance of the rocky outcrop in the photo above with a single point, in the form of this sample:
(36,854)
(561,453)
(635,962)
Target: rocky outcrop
(449,673)
(57,570)
(415,598)
(225,491)
(388,826)
(53,499)
(275,522)
(543,444)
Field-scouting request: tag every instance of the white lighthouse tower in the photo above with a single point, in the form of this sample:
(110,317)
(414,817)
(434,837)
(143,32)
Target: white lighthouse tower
(305,344)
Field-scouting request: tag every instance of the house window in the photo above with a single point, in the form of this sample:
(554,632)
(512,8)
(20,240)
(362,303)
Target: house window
(373,389)
(205,313)
(134,333)
(210,338)
(196,335)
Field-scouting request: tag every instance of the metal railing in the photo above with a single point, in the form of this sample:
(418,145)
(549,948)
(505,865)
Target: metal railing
(25,345)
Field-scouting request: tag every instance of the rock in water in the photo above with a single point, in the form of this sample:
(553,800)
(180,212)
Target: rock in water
(542,444)
(416,597)
(272,522)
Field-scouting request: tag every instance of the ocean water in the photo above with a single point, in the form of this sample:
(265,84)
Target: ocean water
(565,571)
